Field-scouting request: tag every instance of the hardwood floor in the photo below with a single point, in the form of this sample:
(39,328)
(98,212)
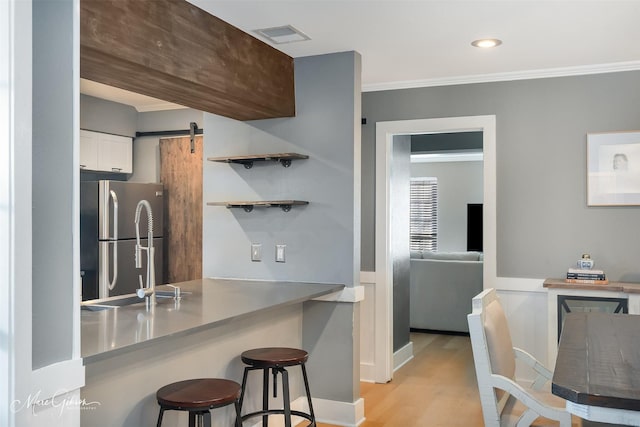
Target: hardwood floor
(436,388)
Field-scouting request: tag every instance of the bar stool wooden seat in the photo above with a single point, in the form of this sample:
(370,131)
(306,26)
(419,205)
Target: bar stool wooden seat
(276,359)
(198,396)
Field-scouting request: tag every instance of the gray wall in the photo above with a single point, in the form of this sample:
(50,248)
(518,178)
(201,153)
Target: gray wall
(328,335)
(543,222)
(459,183)
(100,115)
(400,222)
(320,238)
(150,121)
(53,171)
(146,151)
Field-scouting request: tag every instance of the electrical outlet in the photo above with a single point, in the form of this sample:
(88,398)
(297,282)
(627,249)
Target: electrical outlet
(256,252)
(280,253)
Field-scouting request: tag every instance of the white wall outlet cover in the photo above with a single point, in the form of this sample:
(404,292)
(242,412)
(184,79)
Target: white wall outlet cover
(280,253)
(256,252)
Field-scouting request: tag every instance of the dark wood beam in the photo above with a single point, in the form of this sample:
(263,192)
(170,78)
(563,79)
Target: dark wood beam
(174,51)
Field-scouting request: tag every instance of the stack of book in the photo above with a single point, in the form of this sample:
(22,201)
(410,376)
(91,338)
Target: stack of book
(577,275)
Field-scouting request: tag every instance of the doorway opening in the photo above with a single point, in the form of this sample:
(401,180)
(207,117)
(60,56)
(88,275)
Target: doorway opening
(385,136)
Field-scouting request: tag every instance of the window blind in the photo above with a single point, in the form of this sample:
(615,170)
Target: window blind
(424,214)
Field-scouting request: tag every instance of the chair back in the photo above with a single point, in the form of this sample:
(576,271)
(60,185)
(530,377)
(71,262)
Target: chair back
(492,352)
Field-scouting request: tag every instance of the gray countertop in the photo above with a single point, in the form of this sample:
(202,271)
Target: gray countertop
(205,303)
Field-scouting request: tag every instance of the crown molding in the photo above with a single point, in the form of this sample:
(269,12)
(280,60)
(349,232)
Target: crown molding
(509,76)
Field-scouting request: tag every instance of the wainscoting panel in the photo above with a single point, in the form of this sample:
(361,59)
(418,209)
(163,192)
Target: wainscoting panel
(367,326)
(525,304)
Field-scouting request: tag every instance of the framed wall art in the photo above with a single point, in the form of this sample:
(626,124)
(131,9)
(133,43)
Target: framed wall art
(613,169)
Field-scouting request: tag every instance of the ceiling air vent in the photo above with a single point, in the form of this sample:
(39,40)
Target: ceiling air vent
(284,34)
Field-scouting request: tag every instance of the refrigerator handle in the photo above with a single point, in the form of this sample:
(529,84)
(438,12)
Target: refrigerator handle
(114,196)
(114,240)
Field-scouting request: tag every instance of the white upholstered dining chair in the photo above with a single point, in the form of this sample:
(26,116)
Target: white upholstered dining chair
(506,402)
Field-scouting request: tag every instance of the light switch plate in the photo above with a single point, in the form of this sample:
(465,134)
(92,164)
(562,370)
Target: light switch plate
(280,253)
(256,252)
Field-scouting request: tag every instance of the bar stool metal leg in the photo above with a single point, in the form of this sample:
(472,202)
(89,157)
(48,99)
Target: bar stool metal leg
(265,396)
(160,415)
(206,418)
(244,384)
(285,397)
(306,387)
(238,415)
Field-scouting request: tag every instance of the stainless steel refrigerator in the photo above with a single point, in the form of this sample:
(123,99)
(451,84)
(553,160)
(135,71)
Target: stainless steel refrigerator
(108,236)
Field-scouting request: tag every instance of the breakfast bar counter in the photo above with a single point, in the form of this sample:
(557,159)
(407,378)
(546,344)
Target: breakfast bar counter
(204,303)
(129,352)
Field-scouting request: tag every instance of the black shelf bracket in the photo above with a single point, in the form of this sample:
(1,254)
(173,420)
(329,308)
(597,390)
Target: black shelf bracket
(285,205)
(283,158)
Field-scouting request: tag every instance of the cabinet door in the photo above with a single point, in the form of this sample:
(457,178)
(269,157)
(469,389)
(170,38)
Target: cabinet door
(88,150)
(115,154)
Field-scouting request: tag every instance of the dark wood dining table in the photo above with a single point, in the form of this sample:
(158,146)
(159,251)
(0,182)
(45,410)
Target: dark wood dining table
(598,367)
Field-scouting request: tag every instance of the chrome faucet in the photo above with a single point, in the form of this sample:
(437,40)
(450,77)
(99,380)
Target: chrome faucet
(149,291)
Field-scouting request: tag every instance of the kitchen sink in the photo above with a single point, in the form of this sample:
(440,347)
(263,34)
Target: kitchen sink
(125,300)
(97,307)
(111,302)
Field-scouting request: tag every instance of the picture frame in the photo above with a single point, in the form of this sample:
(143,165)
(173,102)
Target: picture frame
(613,169)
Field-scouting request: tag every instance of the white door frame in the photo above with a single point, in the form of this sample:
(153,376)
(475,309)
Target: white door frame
(7,283)
(16,40)
(383,311)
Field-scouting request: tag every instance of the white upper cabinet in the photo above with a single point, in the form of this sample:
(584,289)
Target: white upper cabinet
(88,150)
(105,153)
(114,154)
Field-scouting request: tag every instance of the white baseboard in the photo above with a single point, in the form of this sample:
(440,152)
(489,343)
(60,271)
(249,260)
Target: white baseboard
(326,411)
(367,372)
(402,356)
(339,413)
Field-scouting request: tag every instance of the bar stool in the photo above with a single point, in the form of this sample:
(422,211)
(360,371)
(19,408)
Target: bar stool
(198,396)
(276,359)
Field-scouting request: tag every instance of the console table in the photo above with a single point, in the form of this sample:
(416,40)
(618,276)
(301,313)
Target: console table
(558,287)
(597,367)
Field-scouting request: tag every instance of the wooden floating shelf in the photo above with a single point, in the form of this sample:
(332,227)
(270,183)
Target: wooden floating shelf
(284,158)
(248,206)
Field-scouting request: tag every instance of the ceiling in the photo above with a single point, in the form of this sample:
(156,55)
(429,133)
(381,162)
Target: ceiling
(142,103)
(428,43)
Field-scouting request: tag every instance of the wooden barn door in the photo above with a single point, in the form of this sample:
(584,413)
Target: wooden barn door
(181,174)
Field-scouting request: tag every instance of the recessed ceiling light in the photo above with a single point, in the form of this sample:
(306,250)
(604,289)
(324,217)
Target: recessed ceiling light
(486,43)
(284,34)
